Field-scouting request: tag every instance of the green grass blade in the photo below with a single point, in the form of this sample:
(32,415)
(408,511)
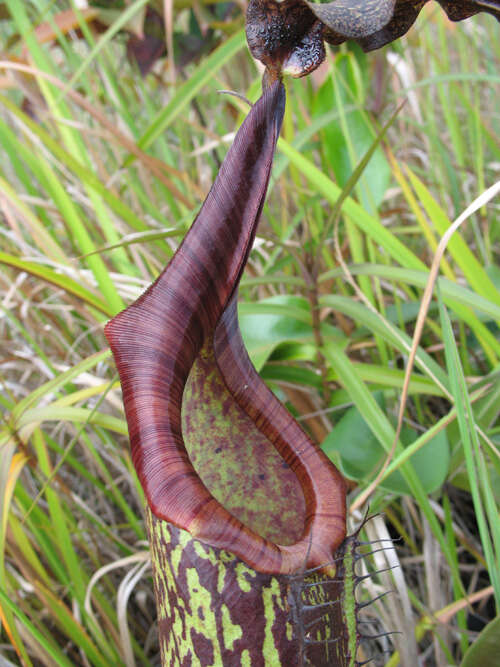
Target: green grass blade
(58,382)
(481,491)
(123,18)
(51,649)
(366,222)
(472,269)
(185,93)
(63,282)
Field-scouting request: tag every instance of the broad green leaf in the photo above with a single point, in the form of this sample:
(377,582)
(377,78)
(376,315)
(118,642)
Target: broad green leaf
(485,651)
(431,464)
(346,141)
(354,441)
(360,453)
(266,324)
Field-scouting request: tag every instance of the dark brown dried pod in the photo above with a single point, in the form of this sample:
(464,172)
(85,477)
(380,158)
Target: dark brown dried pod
(285,36)
(288,36)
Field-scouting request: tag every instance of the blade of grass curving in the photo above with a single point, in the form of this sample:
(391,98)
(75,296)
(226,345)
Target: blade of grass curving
(86,416)
(401,341)
(294,313)
(451,291)
(58,382)
(383,376)
(140,237)
(64,282)
(426,299)
(457,247)
(35,416)
(382,430)
(480,487)
(77,395)
(48,646)
(462,300)
(468,77)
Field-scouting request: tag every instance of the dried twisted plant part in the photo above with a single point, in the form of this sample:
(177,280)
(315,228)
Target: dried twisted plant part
(289,36)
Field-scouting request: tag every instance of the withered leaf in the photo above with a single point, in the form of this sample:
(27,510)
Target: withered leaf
(285,36)
(146,50)
(288,36)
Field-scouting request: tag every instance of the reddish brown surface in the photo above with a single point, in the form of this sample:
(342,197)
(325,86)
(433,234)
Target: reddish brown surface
(213,610)
(157,340)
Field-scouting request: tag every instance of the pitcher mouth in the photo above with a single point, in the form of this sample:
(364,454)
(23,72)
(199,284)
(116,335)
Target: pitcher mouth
(186,324)
(284,499)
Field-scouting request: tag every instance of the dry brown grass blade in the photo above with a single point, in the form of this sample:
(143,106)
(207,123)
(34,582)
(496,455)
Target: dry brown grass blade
(168,12)
(65,21)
